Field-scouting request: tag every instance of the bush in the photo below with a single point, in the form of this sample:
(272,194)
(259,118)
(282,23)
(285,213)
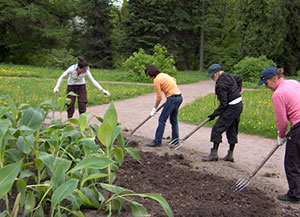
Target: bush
(60,58)
(250,67)
(136,64)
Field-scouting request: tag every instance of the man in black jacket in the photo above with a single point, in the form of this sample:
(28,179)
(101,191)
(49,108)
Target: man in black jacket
(227,89)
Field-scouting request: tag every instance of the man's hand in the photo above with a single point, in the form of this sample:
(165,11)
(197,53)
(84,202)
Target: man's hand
(153,112)
(211,117)
(280,140)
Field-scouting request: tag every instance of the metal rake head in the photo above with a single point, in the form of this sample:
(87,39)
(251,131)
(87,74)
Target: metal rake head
(176,144)
(241,184)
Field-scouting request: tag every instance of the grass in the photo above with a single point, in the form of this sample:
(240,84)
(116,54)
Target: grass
(257,117)
(11,70)
(34,91)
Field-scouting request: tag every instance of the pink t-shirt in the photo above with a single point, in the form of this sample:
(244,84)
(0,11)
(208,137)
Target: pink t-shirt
(286,102)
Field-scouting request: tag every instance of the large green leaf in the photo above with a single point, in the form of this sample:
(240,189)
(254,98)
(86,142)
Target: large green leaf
(29,202)
(8,175)
(48,160)
(32,118)
(133,153)
(85,200)
(63,191)
(92,195)
(104,134)
(119,154)
(3,110)
(90,143)
(13,108)
(83,121)
(4,125)
(161,201)
(116,132)
(93,163)
(110,116)
(116,189)
(60,168)
(138,209)
(23,146)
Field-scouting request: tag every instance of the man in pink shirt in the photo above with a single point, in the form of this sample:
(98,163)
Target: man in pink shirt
(286,102)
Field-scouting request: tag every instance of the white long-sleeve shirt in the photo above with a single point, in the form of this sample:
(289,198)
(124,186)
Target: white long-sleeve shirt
(75,79)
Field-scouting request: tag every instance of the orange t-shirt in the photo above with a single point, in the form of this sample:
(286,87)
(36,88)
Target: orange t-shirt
(165,83)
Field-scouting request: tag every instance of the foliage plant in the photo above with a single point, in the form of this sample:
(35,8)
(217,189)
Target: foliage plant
(250,67)
(50,161)
(137,63)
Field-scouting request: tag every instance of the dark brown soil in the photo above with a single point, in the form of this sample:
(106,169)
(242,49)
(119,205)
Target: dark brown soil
(190,192)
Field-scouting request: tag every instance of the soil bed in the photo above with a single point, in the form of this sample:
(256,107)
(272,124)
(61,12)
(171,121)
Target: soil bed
(190,192)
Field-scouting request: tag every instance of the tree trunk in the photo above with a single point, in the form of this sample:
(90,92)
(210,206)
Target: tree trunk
(202,37)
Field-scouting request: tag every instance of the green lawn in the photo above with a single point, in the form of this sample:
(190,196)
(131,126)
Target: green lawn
(34,91)
(11,70)
(257,117)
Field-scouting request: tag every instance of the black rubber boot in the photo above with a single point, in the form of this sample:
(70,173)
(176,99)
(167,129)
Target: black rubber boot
(213,156)
(228,157)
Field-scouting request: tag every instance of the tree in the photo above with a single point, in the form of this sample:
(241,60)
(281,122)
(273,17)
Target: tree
(28,27)
(262,28)
(96,45)
(289,59)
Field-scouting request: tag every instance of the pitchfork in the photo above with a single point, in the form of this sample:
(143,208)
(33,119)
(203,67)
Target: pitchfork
(144,121)
(177,143)
(245,181)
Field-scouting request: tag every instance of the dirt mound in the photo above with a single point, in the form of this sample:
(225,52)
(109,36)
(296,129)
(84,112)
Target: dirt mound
(190,192)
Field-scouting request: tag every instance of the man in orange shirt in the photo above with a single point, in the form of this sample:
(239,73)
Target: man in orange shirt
(167,84)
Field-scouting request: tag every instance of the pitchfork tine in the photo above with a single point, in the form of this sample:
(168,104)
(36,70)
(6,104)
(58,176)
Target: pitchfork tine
(240,184)
(244,182)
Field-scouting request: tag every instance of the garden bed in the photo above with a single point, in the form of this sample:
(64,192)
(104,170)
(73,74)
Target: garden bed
(190,190)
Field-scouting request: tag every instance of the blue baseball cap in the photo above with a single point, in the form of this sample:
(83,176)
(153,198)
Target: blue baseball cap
(266,74)
(214,68)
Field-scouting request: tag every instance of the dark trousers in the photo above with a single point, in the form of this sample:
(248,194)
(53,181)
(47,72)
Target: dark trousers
(228,121)
(80,90)
(170,110)
(292,161)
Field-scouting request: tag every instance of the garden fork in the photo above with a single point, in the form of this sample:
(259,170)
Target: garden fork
(144,121)
(243,182)
(177,143)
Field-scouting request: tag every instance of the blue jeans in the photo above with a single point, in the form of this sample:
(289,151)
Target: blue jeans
(170,110)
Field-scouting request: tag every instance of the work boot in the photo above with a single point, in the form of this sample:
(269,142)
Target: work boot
(213,156)
(228,157)
(287,198)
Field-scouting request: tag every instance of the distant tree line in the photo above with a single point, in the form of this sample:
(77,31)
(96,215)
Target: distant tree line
(196,33)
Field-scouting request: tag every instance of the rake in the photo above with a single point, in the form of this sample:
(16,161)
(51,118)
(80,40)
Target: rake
(177,143)
(143,122)
(243,182)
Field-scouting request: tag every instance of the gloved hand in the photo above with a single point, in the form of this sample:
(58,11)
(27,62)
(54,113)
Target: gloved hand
(211,117)
(55,90)
(153,112)
(106,93)
(280,140)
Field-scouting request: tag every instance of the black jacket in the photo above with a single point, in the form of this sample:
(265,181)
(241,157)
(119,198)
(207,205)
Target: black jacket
(228,88)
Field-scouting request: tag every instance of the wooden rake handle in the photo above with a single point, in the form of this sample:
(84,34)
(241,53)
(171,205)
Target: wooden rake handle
(197,128)
(146,119)
(265,160)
